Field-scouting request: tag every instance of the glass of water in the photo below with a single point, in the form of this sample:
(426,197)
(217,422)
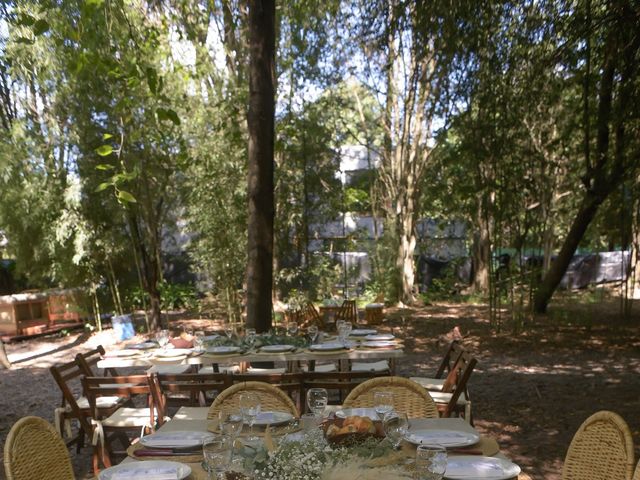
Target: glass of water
(382,403)
(230,423)
(431,462)
(292,328)
(217,456)
(395,427)
(313,332)
(250,409)
(162,337)
(317,400)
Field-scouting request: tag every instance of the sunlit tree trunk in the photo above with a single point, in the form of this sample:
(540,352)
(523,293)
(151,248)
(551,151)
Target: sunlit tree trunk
(261,164)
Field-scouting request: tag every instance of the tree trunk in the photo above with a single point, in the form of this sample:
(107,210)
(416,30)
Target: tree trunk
(481,250)
(406,249)
(261,166)
(587,211)
(4,360)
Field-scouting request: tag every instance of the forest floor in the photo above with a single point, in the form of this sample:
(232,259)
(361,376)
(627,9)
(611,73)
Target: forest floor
(531,390)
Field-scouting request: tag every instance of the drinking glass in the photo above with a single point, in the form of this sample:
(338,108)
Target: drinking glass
(395,427)
(317,399)
(338,324)
(309,423)
(312,331)
(217,456)
(382,403)
(198,342)
(162,337)
(431,462)
(250,409)
(250,336)
(292,328)
(230,423)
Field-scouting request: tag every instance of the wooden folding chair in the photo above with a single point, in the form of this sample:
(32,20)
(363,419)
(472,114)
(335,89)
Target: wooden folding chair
(311,316)
(340,383)
(124,421)
(291,383)
(75,406)
(88,360)
(454,397)
(348,312)
(408,396)
(450,358)
(34,450)
(601,449)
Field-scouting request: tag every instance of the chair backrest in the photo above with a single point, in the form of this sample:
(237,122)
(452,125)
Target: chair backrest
(88,360)
(449,359)
(271,398)
(408,396)
(64,374)
(34,449)
(636,474)
(601,449)
(291,383)
(342,382)
(124,386)
(348,311)
(311,316)
(456,381)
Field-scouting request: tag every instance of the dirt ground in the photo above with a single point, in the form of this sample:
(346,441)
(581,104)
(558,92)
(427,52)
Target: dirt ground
(530,390)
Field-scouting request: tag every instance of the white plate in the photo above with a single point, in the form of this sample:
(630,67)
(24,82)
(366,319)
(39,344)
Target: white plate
(379,344)
(361,412)
(272,418)
(223,349)
(277,348)
(210,338)
(177,439)
(380,336)
(144,469)
(446,438)
(173,352)
(362,332)
(464,467)
(327,347)
(144,345)
(122,353)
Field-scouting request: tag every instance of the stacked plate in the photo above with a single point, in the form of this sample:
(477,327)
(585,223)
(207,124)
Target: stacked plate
(446,438)
(272,418)
(277,348)
(157,469)
(380,337)
(363,332)
(176,439)
(464,467)
(173,352)
(223,350)
(327,347)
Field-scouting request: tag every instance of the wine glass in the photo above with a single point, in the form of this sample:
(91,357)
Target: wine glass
(339,323)
(250,336)
(395,426)
(230,423)
(313,332)
(198,341)
(217,456)
(292,328)
(431,462)
(162,337)
(317,400)
(250,409)
(383,403)
(229,330)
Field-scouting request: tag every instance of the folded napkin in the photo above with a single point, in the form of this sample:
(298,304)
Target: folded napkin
(150,473)
(168,440)
(477,469)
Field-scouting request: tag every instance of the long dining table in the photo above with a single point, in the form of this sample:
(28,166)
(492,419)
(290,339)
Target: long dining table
(195,420)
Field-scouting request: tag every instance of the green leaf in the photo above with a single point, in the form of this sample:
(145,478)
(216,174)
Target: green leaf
(103,186)
(40,27)
(106,136)
(152,79)
(28,41)
(105,166)
(168,114)
(104,150)
(126,197)
(26,20)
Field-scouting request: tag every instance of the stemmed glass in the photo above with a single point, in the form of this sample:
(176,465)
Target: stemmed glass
(250,409)
(317,400)
(382,403)
(228,330)
(198,342)
(230,423)
(313,332)
(162,337)
(251,337)
(217,456)
(395,426)
(344,330)
(431,462)
(292,328)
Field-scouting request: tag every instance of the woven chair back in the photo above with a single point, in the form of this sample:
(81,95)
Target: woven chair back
(601,449)
(271,398)
(35,450)
(636,474)
(408,396)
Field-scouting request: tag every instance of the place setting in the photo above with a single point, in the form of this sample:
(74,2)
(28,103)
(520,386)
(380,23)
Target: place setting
(183,446)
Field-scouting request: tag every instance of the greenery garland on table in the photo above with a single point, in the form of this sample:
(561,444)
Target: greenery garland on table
(270,338)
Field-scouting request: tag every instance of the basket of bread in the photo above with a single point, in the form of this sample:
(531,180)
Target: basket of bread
(351,430)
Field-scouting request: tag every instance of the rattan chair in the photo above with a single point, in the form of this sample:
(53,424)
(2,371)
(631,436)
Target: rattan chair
(35,450)
(338,384)
(601,449)
(408,396)
(636,475)
(271,398)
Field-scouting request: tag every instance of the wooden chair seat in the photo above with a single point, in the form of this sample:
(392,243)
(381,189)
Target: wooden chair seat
(431,384)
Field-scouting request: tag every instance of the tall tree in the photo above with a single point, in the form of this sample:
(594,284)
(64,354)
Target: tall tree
(261,163)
